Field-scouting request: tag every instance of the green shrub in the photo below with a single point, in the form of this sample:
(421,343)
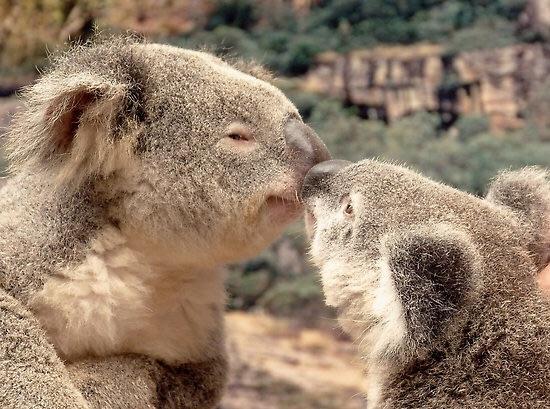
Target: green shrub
(537,110)
(490,32)
(237,13)
(471,125)
(441,21)
(247,287)
(346,135)
(300,56)
(223,40)
(306,102)
(466,157)
(301,293)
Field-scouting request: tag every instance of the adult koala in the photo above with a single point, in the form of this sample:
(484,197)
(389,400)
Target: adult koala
(437,286)
(138,170)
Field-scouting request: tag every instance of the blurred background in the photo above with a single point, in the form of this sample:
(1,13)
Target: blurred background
(457,89)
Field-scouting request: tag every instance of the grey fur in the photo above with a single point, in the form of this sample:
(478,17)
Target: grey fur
(437,286)
(134,148)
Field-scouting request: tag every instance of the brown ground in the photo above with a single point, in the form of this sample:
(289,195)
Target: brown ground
(277,365)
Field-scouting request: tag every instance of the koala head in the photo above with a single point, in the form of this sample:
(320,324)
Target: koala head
(407,261)
(185,151)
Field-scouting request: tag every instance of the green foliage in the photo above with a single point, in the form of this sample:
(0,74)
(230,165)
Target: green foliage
(345,134)
(222,41)
(236,13)
(279,281)
(468,126)
(306,102)
(466,156)
(443,20)
(471,165)
(299,56)
(538,108)
(299,293)
(486,33)
(288,44)
(246,287)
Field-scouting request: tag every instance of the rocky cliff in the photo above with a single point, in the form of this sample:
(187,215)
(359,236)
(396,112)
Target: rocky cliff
(536,16)
(391,82)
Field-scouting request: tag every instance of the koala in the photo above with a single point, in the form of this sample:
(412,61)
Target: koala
(137,171)
(436,286)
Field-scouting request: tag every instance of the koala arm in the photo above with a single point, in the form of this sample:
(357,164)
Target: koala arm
(31,373)
(136,381)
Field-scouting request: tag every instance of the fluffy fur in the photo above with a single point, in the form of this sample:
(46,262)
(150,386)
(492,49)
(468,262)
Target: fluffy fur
(137,171)
(437,286)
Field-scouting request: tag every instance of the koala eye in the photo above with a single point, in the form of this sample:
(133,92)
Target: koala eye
(238,132)
(347,206)
(238,137)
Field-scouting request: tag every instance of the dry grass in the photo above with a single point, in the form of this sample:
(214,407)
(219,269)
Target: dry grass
(278,365)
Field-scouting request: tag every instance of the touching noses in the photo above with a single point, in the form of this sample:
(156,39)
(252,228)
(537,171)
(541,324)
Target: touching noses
(304,144)
(318,173)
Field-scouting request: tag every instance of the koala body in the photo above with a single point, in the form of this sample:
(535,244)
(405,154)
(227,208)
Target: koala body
(438,287)
(138,171)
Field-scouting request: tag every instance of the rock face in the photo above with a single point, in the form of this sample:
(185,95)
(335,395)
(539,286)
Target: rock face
(537,17)
(56,22)
(386,82)
(391,82)
(500,82)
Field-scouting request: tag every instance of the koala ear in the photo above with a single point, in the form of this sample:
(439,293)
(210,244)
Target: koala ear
(75,126)
(251,67)
(527,193)
(433,270)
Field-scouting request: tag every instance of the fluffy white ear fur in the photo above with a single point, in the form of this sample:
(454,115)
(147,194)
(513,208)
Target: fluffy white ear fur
(370,310)
(391,330)
(67,127)
(368,303)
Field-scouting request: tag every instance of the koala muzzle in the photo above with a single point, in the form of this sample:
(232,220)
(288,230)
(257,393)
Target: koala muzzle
(317,175)
(304,143)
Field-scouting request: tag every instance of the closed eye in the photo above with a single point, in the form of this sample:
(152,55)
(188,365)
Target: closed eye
(238,137)
(239,132)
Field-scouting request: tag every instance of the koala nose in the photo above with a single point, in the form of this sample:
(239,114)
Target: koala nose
(317,174)
(304,143)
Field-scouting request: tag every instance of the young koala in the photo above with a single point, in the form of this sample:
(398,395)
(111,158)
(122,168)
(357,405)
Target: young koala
(437,287)
(137,171)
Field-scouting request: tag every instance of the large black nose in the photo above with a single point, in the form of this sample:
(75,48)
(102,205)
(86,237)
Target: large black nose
(316,176)
(305,143)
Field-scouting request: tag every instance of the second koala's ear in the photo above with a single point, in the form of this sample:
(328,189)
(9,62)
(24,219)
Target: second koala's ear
(433,272)
(75,125)
(527,193)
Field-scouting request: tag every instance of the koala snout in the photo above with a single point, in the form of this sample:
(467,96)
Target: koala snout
(318,173)
(304,143)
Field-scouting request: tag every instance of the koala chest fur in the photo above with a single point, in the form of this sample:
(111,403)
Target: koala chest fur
(116,301)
